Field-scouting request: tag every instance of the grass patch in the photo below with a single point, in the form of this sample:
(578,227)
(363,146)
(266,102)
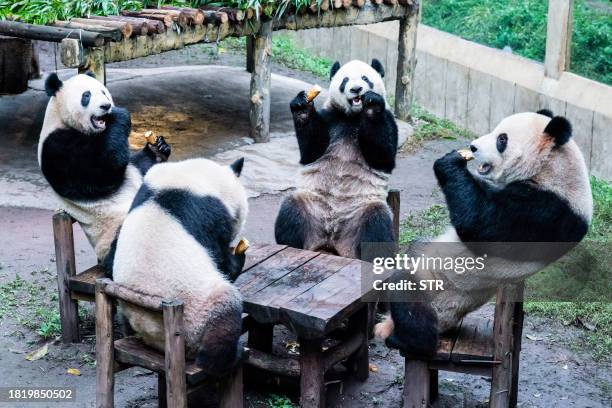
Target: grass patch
(279,401)
(285,52)
(521,25)
(591,308)
(430,127)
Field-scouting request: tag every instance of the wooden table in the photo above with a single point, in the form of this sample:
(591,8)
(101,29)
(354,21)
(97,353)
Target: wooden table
(312,294)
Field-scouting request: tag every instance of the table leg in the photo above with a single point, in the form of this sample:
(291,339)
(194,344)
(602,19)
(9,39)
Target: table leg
(312,388)
(360,361)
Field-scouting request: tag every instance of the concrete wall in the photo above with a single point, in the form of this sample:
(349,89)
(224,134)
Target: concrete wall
(476,86)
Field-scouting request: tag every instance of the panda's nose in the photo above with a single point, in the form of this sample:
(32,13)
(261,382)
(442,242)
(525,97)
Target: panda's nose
(473,148)
(356,89)
(106,107)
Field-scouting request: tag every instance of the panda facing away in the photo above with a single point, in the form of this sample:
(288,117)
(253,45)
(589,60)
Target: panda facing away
(348,151)
(83,153)
(175,243)
(530,189)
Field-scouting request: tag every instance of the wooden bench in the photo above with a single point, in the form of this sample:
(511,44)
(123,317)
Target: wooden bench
(176,376)
(480,346)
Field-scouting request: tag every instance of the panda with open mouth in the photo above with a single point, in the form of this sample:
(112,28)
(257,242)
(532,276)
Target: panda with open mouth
(347,152)
(83,153)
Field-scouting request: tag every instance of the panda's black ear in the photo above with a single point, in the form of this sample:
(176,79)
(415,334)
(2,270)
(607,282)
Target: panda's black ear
(334,69)
(559,129)
(91,74)
(237,166)
(378,67)
(546,112)
(52,84)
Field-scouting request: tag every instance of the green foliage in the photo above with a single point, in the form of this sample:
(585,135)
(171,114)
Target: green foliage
(521,25)
(50,325)
(47,11)
(424,224)
(279,401)
(285,52)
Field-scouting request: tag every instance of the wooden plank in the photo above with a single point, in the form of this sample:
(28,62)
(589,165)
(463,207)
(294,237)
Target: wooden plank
(558,37)
(132,351)
(66,269)
(273,268)
(258,253)
(105,377)
(85,282)
(446,343)
(322,308)
(264,305)
(475,341)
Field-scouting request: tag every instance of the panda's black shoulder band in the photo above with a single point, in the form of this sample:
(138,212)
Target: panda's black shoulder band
(546,112)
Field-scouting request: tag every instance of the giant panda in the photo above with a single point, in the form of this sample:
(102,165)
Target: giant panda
(530,187)
(175,243)
(83,153)
(347,150)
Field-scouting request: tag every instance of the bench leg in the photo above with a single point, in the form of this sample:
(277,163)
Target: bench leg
(433,385)
(312,388)
(174,354)
(518,334)
(259,112)
(416,384)
(360,361)
(105,375)
(66,268)
(232,390)
(161,390)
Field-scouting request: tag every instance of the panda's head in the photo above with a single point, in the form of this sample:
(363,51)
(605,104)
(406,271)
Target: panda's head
(519,146)
(204,178)
(81,102)
(350,81)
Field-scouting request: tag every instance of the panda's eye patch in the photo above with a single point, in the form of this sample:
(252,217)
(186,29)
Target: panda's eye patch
(367,80)
(502,142)
(85,98)
(343,84)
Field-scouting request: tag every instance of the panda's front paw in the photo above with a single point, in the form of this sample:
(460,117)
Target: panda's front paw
(300,107)
(448,164)
(373,103)
(160,149)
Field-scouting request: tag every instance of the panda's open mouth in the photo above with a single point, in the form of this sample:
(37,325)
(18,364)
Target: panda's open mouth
(484,169)
(356,101)
(98,122)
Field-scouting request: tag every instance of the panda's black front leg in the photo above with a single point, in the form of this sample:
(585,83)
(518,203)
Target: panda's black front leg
(377,133)
(310,129)
(151,154)
(232,264)
(115,151)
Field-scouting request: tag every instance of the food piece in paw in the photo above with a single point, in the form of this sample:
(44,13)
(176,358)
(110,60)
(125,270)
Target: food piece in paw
(150,137)
(242,246)
(466,154)
(313,93)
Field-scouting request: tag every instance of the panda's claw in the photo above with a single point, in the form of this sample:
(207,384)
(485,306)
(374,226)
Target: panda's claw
(161,149)
(301,103)
(373,103)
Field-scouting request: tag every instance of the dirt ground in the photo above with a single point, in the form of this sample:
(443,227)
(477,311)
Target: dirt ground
(553,372)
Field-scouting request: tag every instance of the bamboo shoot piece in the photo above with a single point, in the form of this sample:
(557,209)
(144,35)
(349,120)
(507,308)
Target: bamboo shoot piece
(313,93)
(466,154)
(242,246)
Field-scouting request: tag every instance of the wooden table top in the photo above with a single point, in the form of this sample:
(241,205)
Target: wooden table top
(309,292)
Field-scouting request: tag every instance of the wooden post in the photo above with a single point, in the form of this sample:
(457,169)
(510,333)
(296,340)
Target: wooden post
(503,338)
(250,61)
(518,335)
(232,390)
(15,64)
(393,200)
(312,388)
(105,377)
(433,385)
(66,268)
(174,347)
(406,63)
(94,62)
(558,37)
(259,112)
(261,336)
(416,384)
